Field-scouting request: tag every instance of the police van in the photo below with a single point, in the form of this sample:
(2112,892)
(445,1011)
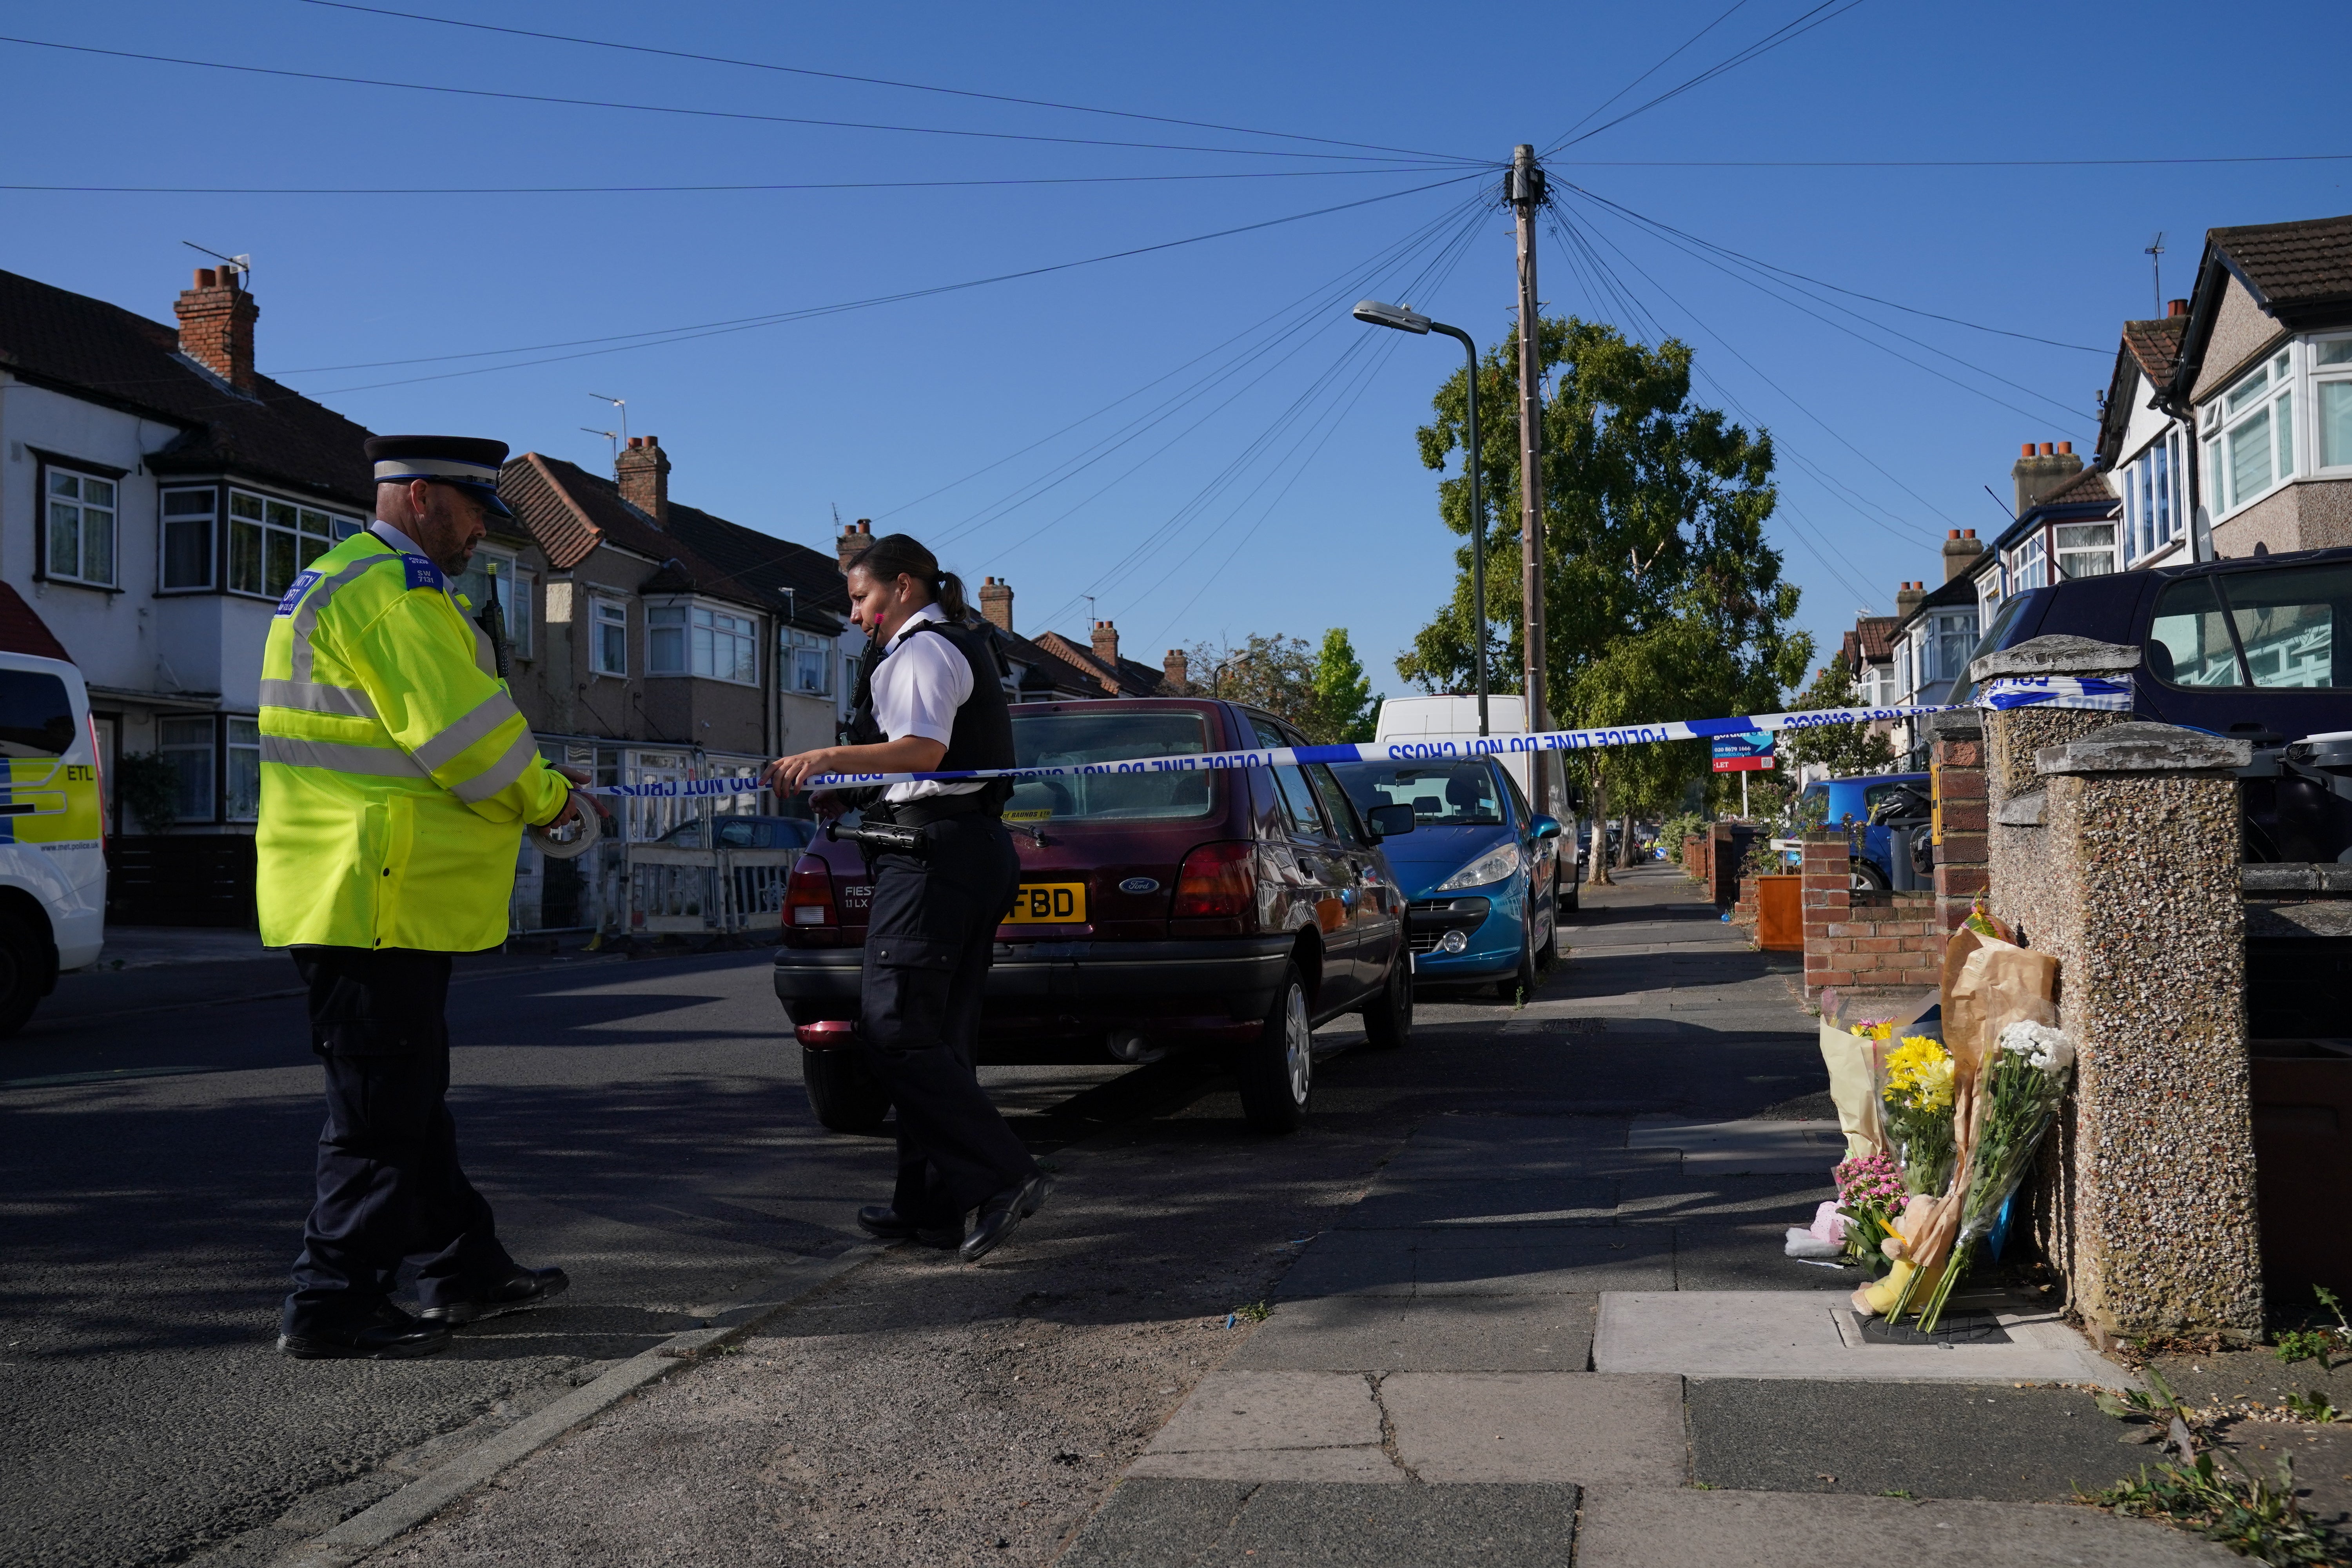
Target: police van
(52,833)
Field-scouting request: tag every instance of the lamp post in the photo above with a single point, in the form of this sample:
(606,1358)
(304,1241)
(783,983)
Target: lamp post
(1405,320)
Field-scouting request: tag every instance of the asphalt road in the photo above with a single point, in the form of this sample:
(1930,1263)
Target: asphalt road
(640,1123)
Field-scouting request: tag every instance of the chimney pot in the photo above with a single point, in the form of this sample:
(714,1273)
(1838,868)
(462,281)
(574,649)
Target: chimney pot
(2176,307)
(204,277)
(2066,447)
(2045,448)
(643,474)
(2028,450)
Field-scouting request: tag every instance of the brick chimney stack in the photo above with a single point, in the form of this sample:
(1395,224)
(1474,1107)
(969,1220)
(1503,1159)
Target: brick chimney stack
(1961,548)
(853,539)
(1907,599)
(643,470)
(996,604)
(2038,473)
(1106,642)
(1177,669)
(216,319)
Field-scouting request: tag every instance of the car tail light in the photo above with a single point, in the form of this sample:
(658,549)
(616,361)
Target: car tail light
(1218,881)
(98,771)
(808,896)
(828,1034)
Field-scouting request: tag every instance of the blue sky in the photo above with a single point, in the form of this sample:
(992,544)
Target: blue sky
(1261,474)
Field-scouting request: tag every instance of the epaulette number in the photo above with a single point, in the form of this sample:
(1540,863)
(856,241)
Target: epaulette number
(423,574)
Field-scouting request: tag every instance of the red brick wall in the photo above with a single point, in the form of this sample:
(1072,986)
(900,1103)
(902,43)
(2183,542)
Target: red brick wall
(1869,939)
(1958,766)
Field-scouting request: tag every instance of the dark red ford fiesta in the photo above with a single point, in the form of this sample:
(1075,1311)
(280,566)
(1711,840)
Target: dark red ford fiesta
(1226,911)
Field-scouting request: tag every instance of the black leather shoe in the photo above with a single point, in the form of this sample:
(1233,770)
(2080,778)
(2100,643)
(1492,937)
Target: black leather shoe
(522,1290)
(391,1335)
(882,1223)
(1001,1215)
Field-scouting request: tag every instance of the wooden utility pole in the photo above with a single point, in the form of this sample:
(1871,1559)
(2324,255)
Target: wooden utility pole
(1526,194)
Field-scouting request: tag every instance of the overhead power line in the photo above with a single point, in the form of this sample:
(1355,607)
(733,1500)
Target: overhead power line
(1935,162)
(879,81)
(688,112)
(1788,32)
(662,190)
(1665,60)
(619,343)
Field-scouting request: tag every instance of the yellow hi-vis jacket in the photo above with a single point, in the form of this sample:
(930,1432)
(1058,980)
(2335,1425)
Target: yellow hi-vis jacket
(396,772)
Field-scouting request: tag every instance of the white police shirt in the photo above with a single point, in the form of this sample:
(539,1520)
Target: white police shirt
(917,686)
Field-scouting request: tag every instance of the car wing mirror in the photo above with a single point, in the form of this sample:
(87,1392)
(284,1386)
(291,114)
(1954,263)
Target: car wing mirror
(1388,821)
(1545,827)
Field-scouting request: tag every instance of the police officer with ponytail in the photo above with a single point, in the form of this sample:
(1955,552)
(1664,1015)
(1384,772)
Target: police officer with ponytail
(929,699)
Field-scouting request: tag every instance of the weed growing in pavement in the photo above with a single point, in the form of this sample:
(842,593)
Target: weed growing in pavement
(2318,1408)
(2154,1415)
(2253,1517)
(2316,1344)
(1255,1312)
(1898,1491)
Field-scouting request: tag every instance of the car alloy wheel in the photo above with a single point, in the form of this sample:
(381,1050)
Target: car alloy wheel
(1275,1073)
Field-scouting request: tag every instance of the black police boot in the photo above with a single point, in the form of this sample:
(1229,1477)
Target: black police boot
(524,1289)
(883,1224)
(1001,1215)
(391,1335)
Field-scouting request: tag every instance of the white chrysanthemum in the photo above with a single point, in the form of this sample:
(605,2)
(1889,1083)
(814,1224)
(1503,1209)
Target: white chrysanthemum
(2044,1046)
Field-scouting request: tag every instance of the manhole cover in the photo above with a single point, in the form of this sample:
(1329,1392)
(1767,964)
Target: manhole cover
(1956,1328)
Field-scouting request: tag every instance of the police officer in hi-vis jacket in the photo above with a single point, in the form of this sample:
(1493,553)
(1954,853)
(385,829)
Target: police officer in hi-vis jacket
(397,777)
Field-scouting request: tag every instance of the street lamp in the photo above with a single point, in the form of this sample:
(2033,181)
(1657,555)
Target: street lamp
(1405,320)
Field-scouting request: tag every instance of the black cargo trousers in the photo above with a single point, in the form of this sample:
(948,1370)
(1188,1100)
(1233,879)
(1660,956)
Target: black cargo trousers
(389,1188)
(929,939)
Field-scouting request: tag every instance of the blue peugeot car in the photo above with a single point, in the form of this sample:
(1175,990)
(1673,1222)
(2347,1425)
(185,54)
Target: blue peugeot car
(1879,804)
(1480,869)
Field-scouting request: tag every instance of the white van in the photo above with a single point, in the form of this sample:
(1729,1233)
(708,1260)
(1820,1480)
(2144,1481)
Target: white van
(1411,718)
(52,833)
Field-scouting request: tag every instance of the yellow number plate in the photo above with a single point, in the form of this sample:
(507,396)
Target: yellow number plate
(1049,903)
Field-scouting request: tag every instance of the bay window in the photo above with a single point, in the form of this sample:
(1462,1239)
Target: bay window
(2331,397)
(2085,549)
(696,640)
(2028,568)
(187,542)
(2156,501)
(244,769)
(2250,434)
(187,745)
(809,669)
(270,540)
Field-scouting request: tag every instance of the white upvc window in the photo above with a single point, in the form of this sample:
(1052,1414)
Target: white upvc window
(809,667)
(186,542)
(608,637)
(78,541)
(2027,566)
(2331,402)
(186,743)
(243,802)
(2249,436)
(700,639)
(270,540)
(2084,549)
(2156,495)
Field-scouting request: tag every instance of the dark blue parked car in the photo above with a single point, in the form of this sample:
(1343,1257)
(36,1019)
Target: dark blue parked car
(1887,804)
(1480,869)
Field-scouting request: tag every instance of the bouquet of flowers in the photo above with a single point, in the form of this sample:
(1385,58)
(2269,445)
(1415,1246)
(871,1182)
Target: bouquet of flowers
(2017,1097)
(1871,1196)
(1916,1105)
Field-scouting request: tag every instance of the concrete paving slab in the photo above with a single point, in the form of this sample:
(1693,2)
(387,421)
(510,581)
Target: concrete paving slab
(1363,1462)
(1576,1427)
(1559,1159)
(1562,1261)
(1186,1524)
(1248,1410)
(1996,1443)
(1651,1197)
(1791,1335)
(1456,1334)
(1405,1202)
(1691,1529)
(1748,1148)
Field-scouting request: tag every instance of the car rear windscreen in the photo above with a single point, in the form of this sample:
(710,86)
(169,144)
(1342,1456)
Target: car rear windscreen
(2281,628)
(1051,740)
(35,715)
(1458,795)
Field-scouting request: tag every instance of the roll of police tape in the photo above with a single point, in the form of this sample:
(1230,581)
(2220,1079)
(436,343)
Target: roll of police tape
(1415,749)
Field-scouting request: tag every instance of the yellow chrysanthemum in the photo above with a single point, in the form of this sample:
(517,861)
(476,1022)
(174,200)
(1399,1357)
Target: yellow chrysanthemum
(1873,1029)
(1919,1074)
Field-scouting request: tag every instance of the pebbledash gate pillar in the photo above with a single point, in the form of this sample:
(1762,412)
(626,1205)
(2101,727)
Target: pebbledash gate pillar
(2114,848)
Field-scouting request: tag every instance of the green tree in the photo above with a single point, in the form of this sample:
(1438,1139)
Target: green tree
(1843,751)
(1661,599)
(1274,673)
(1344,704)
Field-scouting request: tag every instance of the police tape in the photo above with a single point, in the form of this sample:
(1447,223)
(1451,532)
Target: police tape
(2103,693)
(1417,749)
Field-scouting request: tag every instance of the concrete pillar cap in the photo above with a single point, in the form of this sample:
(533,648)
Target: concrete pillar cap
(2058,656)
(1959,724)
(2145,749)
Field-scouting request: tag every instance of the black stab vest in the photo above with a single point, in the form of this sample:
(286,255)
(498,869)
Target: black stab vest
(982,734)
